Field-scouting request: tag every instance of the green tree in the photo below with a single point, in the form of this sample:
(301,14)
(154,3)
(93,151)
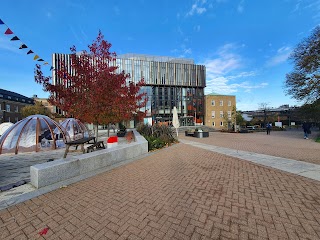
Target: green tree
(303,83)
(38,108)
(310,112)
(239,119)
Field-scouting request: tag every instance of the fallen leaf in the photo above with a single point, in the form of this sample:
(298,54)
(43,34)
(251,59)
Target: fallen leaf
(44,231)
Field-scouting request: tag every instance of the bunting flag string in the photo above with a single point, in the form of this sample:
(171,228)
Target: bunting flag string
(23,45)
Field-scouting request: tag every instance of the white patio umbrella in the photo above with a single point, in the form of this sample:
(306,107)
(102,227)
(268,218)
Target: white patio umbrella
(175,119)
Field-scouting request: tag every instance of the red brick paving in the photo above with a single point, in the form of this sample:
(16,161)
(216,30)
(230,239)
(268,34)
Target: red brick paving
(181,192)
(287,144)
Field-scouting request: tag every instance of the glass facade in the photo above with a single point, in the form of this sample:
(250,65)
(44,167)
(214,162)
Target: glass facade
(168,81)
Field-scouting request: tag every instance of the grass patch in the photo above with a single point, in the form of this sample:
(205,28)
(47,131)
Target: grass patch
(318,139)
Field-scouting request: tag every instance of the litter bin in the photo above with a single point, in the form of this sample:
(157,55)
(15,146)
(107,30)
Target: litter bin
(200,134)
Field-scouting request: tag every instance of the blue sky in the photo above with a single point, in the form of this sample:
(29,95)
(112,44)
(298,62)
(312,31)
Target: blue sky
(244,44)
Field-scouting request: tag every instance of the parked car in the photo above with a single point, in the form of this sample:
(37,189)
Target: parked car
(251,127)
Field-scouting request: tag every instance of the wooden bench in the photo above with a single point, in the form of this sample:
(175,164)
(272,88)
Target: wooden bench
(76,143)
(97,145)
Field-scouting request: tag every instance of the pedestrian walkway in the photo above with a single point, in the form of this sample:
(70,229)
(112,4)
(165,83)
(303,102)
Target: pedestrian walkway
(300,168)
(181,192)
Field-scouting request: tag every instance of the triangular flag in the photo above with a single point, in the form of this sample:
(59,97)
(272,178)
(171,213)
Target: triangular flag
(15,38)
(45,63)
(35,57)
(1,22)
(51,68)
(30,51)
(8,31)
(40,60)
(23,46)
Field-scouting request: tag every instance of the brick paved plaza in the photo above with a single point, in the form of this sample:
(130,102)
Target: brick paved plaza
(183,192)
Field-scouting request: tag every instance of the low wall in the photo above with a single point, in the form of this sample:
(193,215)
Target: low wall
(46,174)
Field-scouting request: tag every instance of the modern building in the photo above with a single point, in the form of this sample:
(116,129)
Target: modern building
(287,115)
(169,82)
(11,104)
(220,110)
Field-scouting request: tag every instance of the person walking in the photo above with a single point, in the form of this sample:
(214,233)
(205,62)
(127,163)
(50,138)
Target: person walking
(306,129)
(268,128)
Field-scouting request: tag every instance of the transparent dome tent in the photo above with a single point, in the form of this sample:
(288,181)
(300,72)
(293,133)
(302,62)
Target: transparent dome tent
(4,126)
(33,134)
(75,128)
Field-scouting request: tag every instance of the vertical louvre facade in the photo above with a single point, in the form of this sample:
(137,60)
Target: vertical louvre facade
(169,82)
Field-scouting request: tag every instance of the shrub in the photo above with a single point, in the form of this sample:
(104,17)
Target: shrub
(157,136)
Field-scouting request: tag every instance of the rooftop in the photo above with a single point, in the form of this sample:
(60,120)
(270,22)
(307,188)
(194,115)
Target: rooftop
(146,57)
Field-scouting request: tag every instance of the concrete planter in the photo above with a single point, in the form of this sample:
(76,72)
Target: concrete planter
(111,145)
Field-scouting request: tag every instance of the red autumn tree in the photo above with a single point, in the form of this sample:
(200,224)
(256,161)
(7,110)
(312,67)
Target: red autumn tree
(91,89)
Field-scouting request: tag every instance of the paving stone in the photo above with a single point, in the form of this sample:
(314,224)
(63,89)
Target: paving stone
(181,192)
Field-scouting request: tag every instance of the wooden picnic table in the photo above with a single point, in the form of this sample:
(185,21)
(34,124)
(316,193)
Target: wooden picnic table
(78,142)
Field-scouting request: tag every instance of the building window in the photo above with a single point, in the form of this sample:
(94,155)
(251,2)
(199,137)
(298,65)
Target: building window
(17,119)
(1,95)
(221,103)
(213,102)
(213,124)
(16,109)
(229,114)
(9,97)
(9,120)
(221,114)
(221,124)
(8,108)
(23,100)
(229,103)
(213,114)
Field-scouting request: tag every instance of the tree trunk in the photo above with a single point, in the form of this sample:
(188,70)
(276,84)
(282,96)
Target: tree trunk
(96,131)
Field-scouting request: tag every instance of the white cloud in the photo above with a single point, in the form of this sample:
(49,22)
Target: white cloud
(223,73)
(313,5)
(221,85)
(196,28)
(282,55)
(240,7)
(8,45)
(197,8)
(243,74)
(187,51)
(226,61)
